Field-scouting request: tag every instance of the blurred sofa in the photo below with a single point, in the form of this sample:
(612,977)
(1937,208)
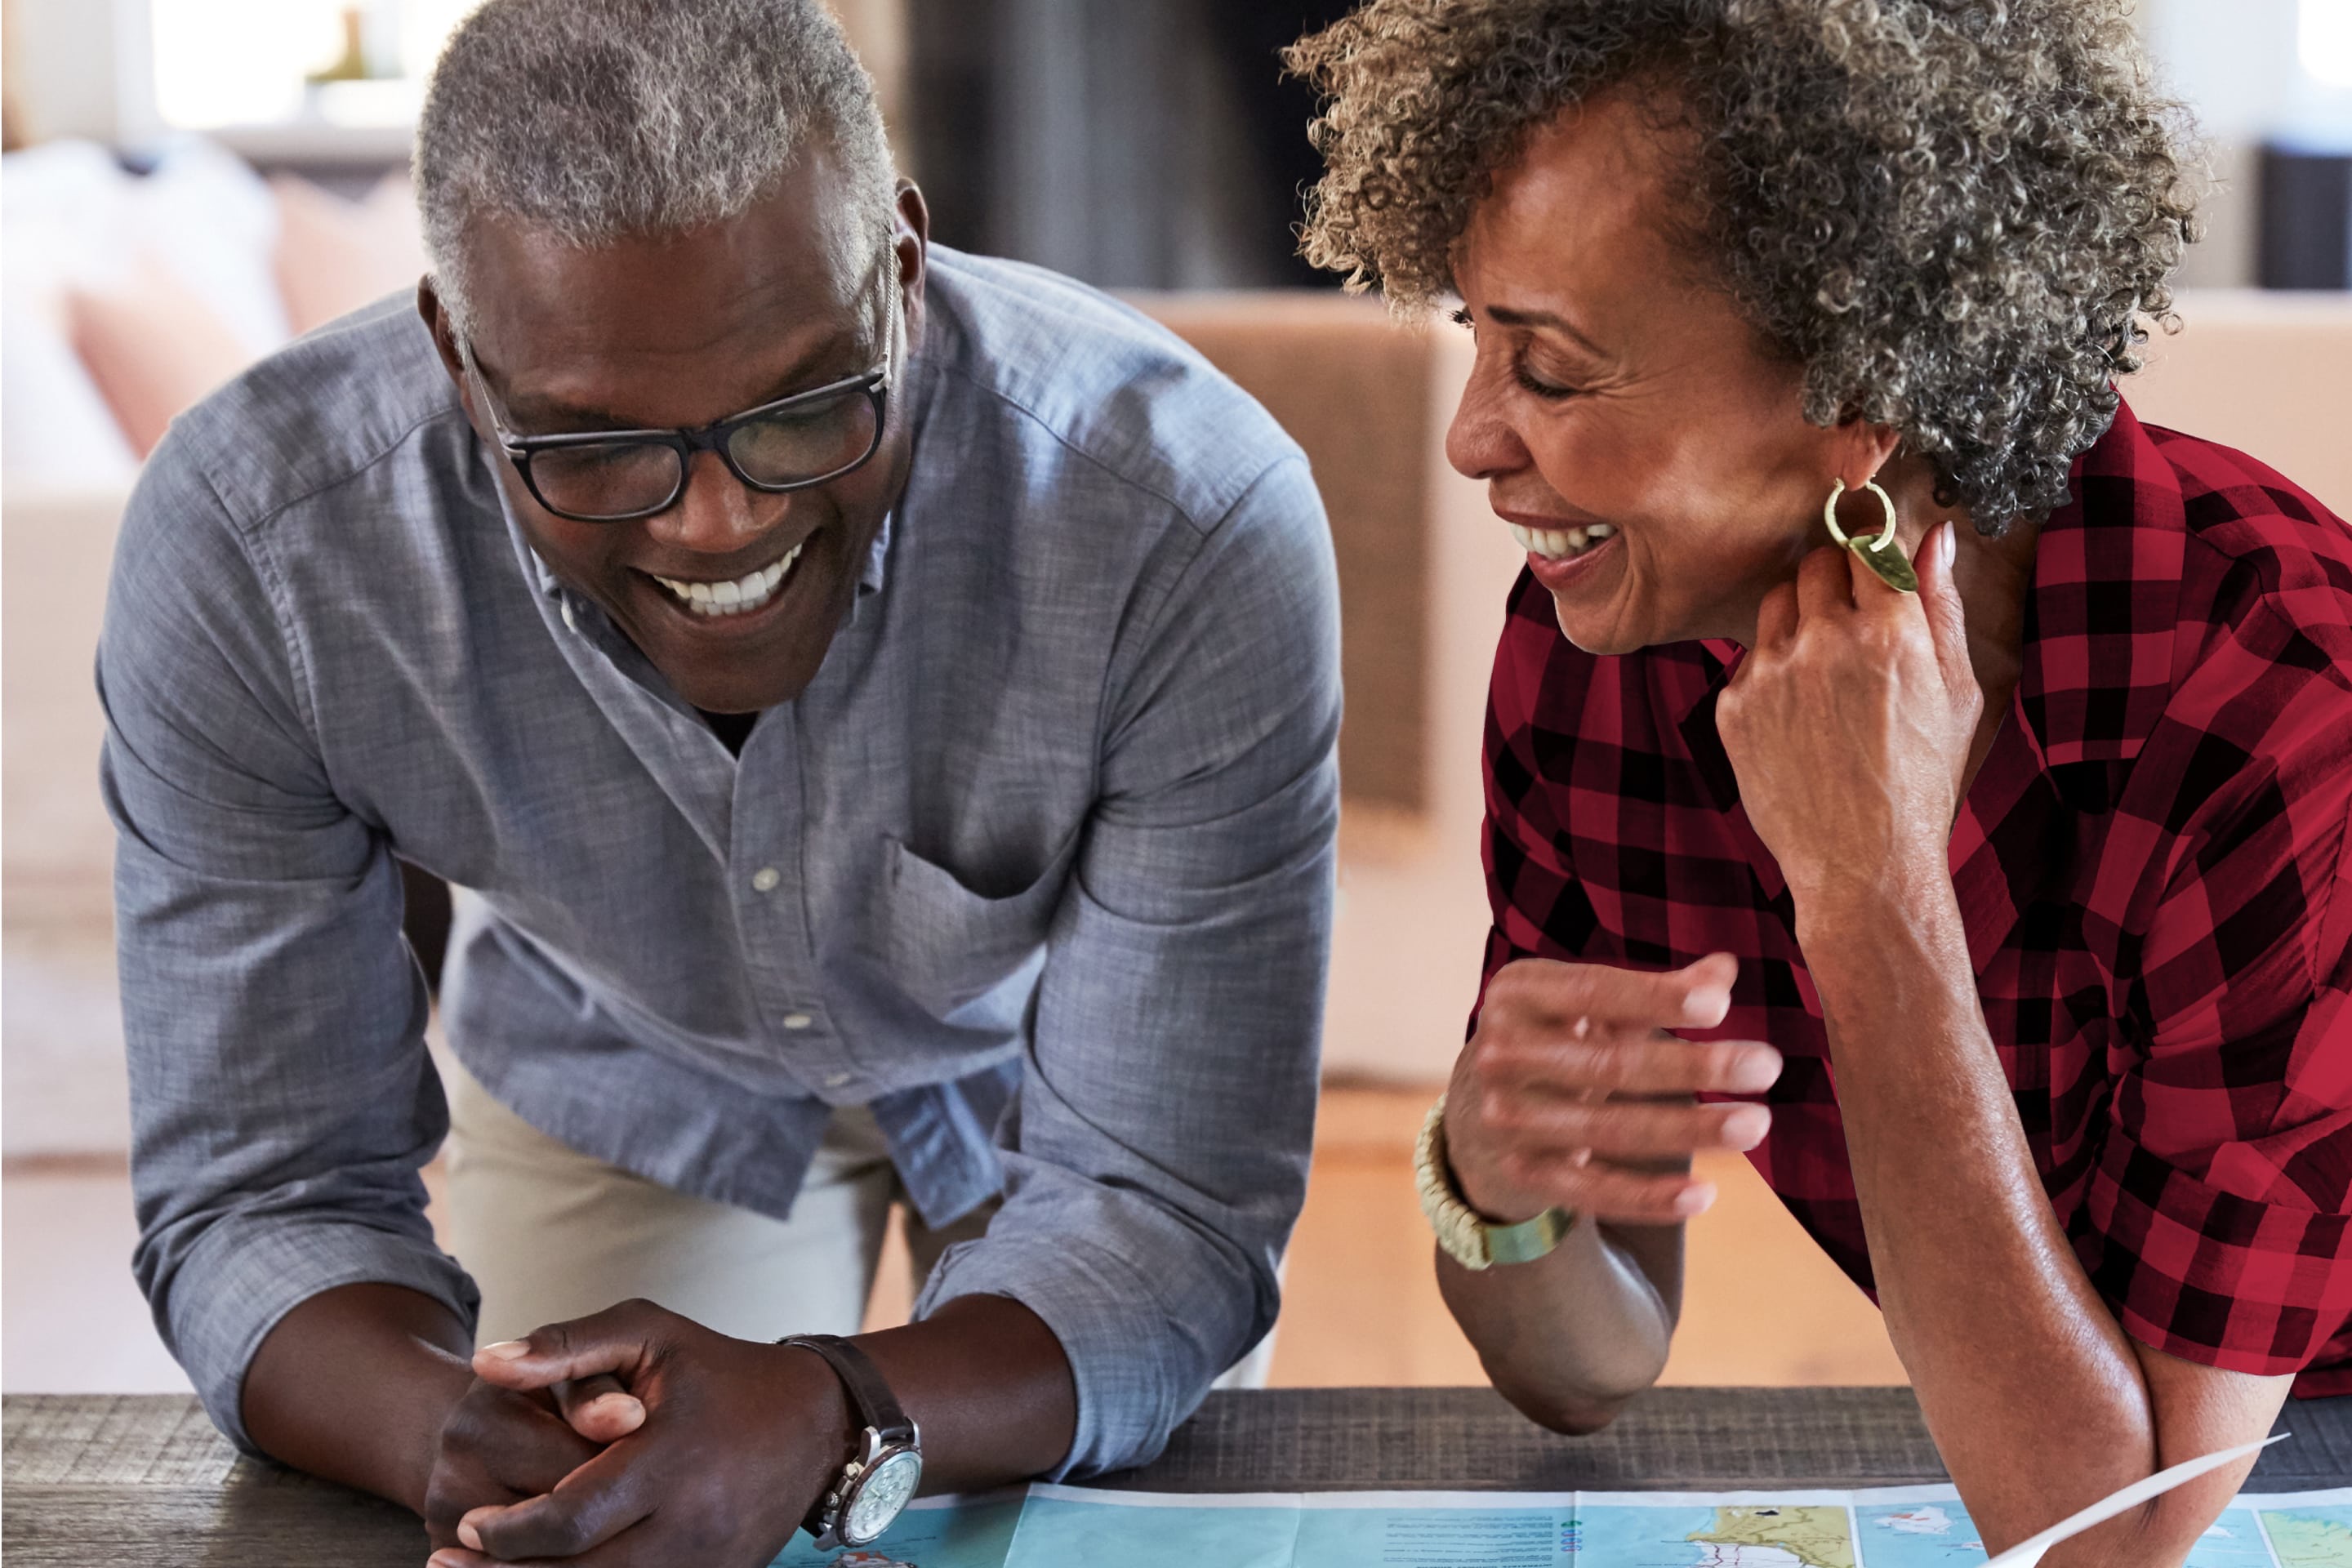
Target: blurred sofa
(125,295)
(1423,570)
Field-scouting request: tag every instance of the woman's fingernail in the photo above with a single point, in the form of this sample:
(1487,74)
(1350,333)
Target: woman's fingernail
(620,1407)
(1707,1006)
(1952,541)
(469,1535)
(506,1349)
(1744,1128)
(1694,1200)
(1756,1070)
(441,1560)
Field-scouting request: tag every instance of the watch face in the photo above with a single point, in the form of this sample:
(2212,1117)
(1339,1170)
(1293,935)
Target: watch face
(881,1493)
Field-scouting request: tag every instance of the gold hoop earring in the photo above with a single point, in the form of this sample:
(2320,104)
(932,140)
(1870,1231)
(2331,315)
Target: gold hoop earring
(1887,564)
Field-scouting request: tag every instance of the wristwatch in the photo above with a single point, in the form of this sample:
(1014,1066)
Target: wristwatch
(1469,1237)
(879,1480)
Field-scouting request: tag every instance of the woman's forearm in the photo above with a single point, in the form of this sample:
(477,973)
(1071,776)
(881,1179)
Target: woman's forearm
(2034,1395)
(1571,1337)
(1572,1094)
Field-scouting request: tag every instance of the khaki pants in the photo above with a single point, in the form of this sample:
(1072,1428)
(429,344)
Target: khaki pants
(550,1234)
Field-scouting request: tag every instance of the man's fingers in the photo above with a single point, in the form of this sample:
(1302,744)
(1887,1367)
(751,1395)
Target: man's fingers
(618,1340)
(599,1408)
(629,1549)
(587,1507)
(1632,1130)
(516,1442)
(1696,996)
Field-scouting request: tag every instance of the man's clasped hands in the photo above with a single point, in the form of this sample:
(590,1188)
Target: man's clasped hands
(567,1439)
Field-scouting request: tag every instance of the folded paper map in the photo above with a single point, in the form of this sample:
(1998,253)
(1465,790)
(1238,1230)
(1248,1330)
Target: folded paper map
(1917,1526)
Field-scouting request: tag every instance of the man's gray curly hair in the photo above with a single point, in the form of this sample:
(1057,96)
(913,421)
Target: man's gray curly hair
(1954,214)
(602,120)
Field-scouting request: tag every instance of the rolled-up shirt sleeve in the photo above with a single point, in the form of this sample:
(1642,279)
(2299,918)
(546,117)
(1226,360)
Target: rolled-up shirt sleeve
(2217,1216)
(1165,1119)
(282,1100)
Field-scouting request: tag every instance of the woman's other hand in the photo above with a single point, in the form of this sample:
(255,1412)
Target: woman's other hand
(1850,723)
(1571,1092)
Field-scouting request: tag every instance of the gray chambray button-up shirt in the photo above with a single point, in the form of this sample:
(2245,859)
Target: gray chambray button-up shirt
(1039,866)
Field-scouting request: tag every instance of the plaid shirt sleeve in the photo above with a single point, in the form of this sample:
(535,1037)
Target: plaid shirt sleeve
(2216,1218)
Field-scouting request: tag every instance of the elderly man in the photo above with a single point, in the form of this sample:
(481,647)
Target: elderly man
(880,706)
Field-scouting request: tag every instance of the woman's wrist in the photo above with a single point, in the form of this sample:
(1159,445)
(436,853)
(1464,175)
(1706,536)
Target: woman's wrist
(1845,910)
(1489,1198)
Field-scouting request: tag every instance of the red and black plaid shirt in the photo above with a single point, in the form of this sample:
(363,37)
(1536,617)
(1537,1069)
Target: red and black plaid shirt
(2153,866)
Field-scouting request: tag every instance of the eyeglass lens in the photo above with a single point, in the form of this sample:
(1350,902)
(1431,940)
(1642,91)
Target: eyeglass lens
(804,443)
(795,444)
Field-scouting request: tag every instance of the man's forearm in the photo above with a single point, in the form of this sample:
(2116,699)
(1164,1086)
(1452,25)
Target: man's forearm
(2033,1393)
(990,1386)
(354,1385)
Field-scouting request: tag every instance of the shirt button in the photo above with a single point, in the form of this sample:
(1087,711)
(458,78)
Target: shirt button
(835,1080)
(797,1020)
(765,878)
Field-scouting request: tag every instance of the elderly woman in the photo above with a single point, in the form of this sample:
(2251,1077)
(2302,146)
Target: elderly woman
(1999,860)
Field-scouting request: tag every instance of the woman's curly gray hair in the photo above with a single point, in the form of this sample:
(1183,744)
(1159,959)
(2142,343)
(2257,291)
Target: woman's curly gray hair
(1956,214)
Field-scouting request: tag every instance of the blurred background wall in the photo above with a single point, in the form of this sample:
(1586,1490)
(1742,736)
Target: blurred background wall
(1135,143)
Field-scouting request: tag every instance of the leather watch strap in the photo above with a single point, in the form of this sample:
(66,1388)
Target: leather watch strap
(878,1407)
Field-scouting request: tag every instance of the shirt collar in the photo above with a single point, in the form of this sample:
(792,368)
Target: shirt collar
(2102,617)
(878,557)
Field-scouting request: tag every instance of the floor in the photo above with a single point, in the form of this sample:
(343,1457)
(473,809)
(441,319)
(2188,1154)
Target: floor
(1362,1305)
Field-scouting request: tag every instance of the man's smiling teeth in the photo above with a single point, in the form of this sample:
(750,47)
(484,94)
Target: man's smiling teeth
(1560,544)
(741,596)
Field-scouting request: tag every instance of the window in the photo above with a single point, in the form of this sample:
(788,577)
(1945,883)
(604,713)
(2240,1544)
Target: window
(225,65)
(2324,42)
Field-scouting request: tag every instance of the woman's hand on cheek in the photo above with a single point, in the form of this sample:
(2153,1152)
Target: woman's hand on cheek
(1849,723)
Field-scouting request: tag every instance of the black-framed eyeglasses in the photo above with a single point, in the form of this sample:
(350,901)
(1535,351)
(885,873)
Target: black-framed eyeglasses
(621,475)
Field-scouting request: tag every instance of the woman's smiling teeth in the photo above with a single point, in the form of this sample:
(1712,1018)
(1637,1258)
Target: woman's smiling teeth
(1560,544)
(742,596)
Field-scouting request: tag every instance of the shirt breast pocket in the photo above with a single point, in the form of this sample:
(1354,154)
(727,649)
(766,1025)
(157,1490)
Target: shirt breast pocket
(965,959)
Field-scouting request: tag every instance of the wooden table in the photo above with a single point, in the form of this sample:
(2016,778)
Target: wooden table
(145,1480)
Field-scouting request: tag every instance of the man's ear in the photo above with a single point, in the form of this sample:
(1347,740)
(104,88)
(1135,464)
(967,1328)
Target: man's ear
(910,237)
(444,331)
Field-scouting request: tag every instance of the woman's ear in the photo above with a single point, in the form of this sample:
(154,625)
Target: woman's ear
(1863,449)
